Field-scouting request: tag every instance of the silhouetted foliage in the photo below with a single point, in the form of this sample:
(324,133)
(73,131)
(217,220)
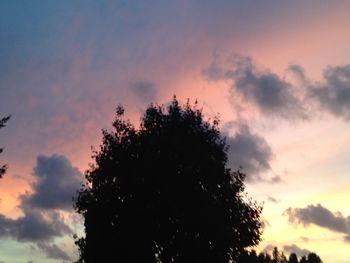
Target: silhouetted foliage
(264,258)
(283,258)
(277,257)
(293,258)
(303,259)
(313,258)
(163,193)
(3,124)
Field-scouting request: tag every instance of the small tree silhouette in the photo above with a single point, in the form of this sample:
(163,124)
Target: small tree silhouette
(293,258)
(303,259)
(3,124)
(313,258)
(277,256)
(163,193)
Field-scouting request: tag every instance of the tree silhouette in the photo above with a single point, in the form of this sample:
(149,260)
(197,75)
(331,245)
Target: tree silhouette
(277,256)
(3,124)
(283,258)
(303,259)
(293,258)
(268,258)
(264,258)
(313,258)
(163,193)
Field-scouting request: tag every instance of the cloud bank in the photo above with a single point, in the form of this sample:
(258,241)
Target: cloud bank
(271,94)
(42,221)
(320,216)
(275,96)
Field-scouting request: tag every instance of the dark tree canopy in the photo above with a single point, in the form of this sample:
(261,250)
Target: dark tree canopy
(3,124)
(163,193)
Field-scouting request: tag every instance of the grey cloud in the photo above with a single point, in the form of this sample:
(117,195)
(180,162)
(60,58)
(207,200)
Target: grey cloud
(53,251)
(334,95)
(275,96)
(250,152)
(270,93)
(267,90)
(298,71)
(145,90)
(320,216)
(34,226)
(295,249)
(57,183)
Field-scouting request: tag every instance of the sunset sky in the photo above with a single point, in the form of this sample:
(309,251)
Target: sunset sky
(276,72)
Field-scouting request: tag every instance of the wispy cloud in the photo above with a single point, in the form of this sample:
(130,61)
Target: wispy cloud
(272,199)
(288,249)
(145,91)
(292,248)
